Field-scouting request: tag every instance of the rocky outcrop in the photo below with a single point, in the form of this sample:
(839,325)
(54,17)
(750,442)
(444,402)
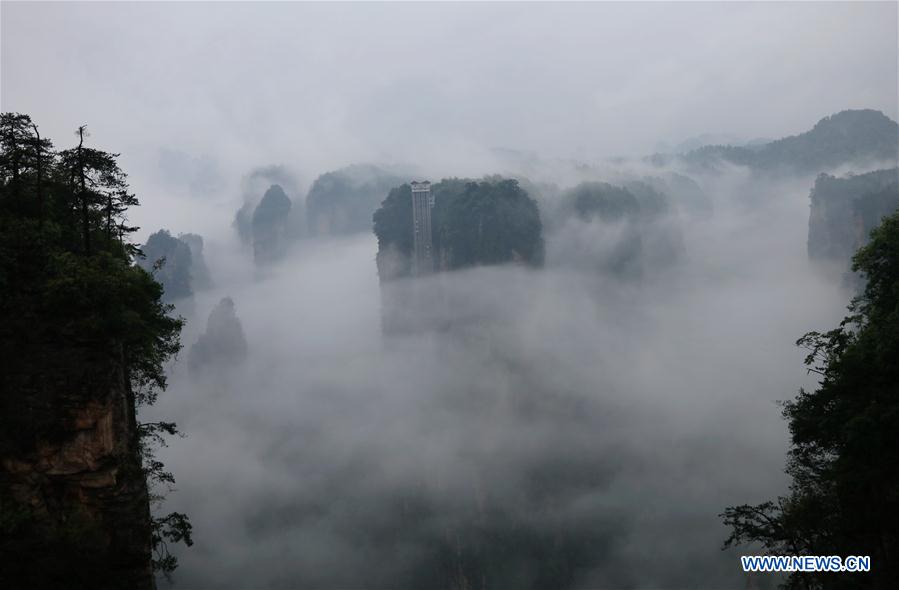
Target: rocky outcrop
(169,260)
(270,225)
(223,344)
(199,275)
(75,504)
(845,210)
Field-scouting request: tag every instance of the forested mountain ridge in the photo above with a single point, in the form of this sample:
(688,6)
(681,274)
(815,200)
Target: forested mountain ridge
(491,221)
(850,136)
(83,337)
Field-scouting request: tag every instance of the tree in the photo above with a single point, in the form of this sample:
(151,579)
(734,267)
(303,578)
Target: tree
(491,221)
(844,497)
(81,326)
(22,158)
(98,188)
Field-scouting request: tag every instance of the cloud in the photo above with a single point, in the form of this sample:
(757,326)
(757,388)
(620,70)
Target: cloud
(563,416)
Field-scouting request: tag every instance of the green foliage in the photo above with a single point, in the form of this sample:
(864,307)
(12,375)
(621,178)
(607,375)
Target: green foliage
(77,316)
(492,221)
(487,222)
(844,499)
(175,527)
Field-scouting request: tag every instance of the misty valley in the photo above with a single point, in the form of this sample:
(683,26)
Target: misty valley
(434,364)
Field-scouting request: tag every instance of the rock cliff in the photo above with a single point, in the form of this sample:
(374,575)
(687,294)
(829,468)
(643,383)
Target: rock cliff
(76,507)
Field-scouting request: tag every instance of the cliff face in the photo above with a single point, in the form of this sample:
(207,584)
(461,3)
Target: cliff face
(845,210)
(76,506)
(270,225)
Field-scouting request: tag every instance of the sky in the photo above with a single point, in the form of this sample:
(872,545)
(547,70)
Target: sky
(317,86)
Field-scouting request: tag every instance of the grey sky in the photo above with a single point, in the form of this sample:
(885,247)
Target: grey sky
(320,85)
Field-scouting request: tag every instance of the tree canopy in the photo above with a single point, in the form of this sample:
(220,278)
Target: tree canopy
(844,496)
(75,309)
(491,221)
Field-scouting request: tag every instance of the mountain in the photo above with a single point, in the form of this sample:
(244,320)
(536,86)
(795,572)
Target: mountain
(223,344)
(270,225)
(851,136)
(84,338)
(171,261)
(199,275)
(625,230)
(253,187)
(845,210)
(489,221)
(343,201)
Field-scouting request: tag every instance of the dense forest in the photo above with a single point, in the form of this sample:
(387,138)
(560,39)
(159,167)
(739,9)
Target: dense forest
(491,221)
(84,335)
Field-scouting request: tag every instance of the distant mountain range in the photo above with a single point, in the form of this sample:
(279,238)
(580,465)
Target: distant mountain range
(851,136)
(694,143)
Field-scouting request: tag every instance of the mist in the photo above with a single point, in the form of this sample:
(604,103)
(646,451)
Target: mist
(618,414)
(565,410)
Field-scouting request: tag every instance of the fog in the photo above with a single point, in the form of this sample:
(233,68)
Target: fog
(559,411)
(643,407)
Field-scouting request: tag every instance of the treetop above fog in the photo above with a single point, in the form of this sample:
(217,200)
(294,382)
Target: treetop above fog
(475,222)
